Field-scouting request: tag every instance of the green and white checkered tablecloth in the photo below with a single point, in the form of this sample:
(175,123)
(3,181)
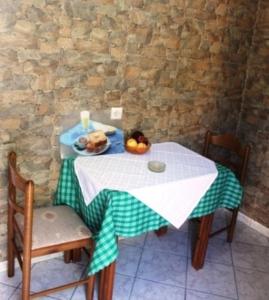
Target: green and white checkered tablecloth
(113,213)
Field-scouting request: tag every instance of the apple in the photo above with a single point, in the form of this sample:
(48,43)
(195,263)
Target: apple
(131,143)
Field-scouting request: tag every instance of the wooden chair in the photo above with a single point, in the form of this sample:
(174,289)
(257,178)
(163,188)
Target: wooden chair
(236,158)
(41,231)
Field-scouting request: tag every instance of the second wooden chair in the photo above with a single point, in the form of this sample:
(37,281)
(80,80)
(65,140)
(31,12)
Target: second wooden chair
(235,156)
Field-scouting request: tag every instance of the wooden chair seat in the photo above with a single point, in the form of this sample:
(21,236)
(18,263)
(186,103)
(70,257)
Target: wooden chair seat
(55,225)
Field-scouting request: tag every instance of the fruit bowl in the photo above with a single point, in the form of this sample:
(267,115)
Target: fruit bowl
(136,150)
(137,143)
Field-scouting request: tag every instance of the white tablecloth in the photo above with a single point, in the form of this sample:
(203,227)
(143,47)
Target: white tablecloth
(173,194)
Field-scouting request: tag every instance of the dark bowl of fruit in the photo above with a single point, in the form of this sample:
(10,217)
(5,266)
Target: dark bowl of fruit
(137,143)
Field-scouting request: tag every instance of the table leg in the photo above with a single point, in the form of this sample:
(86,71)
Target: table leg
(161,231)
(232,225)
(199,254)
(106,283)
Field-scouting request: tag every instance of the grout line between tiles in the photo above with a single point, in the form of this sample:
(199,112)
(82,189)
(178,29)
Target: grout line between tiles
(9,285)
(246,243)
(138,265)
(13,293)
(211,294)
(216,263)
(124,275)
(187,266)
(235,281)
(145,239)
(14,288)
(161,283)
(251,269)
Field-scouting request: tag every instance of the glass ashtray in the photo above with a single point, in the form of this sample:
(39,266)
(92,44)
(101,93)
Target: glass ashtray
(156,166)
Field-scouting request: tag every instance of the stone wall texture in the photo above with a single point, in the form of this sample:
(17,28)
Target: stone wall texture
(254,124)
(178,67)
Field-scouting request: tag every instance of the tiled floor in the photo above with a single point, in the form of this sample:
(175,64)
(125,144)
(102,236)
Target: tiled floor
(151,268)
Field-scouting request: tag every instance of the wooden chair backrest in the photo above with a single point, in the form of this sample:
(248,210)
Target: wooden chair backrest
(233,145)
(17,182)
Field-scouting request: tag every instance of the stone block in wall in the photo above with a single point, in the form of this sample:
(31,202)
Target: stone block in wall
(5,147)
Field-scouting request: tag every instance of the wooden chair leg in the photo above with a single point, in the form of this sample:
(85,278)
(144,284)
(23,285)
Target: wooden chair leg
(76,255)
(10,247)
(161,231)
(72,255)
(202,242)
(106,284)
(90,288)
(231,228)
(26,278)
(10,260)
(68,256)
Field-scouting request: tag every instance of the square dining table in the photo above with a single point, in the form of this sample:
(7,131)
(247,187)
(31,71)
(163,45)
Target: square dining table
(118,196)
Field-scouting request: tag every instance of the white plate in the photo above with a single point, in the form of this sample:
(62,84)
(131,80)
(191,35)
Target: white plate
(87,153)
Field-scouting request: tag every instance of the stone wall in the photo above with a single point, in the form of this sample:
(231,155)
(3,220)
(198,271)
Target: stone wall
(176,66)
(254,125)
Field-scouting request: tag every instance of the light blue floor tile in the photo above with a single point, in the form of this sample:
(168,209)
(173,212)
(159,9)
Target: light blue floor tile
(162,267)
(213,278)
(174,241)
(252,284)
(127,262)
(250,256)
(122,288)
(219,251)
(148,290)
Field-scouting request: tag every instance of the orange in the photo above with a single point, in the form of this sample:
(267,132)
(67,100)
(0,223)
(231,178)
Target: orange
(141,148)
